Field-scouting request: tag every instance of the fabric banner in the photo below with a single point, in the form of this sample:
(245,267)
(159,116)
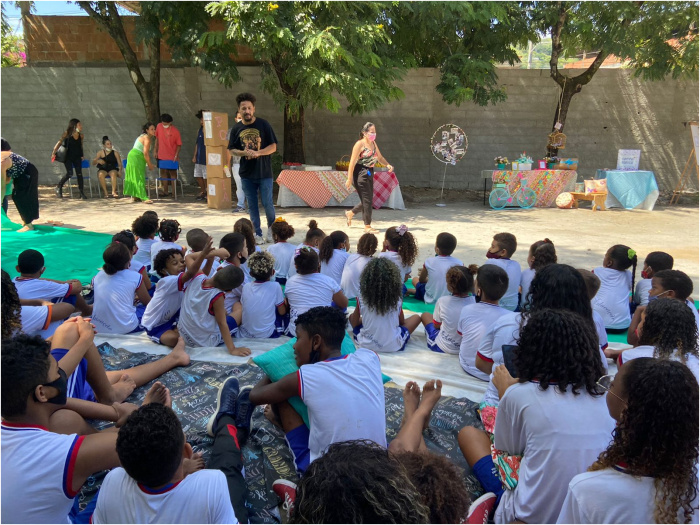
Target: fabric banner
(548,184)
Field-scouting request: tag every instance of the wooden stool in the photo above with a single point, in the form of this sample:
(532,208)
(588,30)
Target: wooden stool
(598,199)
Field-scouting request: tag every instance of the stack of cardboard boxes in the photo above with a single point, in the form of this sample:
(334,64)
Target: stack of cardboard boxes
(218,184)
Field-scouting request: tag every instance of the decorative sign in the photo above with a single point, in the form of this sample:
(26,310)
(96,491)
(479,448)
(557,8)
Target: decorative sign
(449,144)
(628,159)
(213,159)
(212,189)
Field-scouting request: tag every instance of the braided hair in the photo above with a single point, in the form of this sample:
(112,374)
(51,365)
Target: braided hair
(169,230)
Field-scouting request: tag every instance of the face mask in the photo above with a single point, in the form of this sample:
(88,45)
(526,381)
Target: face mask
(655,297)
(645,274)
(108,150)
(242,259)
(166,126)
(60,384)
(492,255)
(371,136)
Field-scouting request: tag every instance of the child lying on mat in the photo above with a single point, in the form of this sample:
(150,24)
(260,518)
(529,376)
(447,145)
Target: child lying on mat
(430,283)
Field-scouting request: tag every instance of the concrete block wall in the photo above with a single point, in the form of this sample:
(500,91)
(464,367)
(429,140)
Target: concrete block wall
(614,111)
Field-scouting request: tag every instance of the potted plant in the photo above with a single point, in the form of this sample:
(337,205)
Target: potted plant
(501,162)
(551,162)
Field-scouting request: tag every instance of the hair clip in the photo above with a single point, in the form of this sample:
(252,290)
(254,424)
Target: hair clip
(280,219)
(402,229)
(631,254)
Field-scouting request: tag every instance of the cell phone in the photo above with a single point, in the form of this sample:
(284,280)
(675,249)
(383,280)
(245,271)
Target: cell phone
(508,359)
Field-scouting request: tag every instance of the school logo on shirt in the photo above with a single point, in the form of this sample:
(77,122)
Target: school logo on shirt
(250,138)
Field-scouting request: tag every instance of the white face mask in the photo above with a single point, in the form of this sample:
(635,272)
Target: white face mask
(108,150)
(166,126)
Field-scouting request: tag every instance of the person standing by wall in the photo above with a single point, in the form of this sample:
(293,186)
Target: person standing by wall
(168,144)
(199,159)
(235,163)
(108,164)
(23,177)
(72,140)
(254,141)
(139,156)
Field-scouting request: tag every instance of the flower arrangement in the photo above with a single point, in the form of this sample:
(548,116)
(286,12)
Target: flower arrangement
(524,159)
(501,160)
(551,160)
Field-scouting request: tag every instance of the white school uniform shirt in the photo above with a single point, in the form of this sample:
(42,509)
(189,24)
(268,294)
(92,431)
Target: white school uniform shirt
(214,264)
(475,321)
(36,320)
(28,288)
(380,333)
(691,305)
(197,324)
(396,259)
(612,299)
(641,292)
(201,497)
(260,300)
(37,474)
(648,351)
(504,331)
(143,255)
(162,245)
(613,496)
(448,309)
(350,281)
(510,300)
(345,398)
(437,267)
(234,296)
(113,310)
(166,301)
(292,270)
(526,278)
(307,291)
(334,267)
(283,252)
(559,436)
(602,334)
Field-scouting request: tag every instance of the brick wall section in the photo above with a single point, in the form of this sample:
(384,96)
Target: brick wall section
(615,111)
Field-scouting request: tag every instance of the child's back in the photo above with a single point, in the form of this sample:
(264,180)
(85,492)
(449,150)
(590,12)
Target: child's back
(448,310)
(283,252)
(335,266)
(381,332)
(143,256)
(36,320)
(306,291)
(159,245)
(475,321)
(260,301)
(350,280)
(30,288)
(197,324)
(113,308)
(166,301)
(292,270)
(612,300)
(396,259)
(437,268)
(510,300)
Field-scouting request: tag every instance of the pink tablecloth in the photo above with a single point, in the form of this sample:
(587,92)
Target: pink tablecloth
(548,184)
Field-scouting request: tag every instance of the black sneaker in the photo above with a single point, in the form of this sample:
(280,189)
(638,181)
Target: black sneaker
(226,403)
(244,414)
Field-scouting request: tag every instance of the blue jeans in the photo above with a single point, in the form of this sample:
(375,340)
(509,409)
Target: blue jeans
(250,188)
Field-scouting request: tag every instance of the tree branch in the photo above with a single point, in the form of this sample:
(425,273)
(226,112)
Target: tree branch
(557,46)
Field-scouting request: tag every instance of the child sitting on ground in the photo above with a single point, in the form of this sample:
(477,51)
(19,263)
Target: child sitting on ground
(127,238)
(344,394)
(654,263)
(145,228)
(333,254)
(441,325)
(235,245)
(169,232)
(541,254)
(115,286)
(244,226)
(378,321)
(502,248)
(356,262)
(313,239)
(197,239)
(400,248)
(309,288)
(30,284)
(262,300)
(282,251)
(430,285)
(616,284)
(203,318)
(592,286)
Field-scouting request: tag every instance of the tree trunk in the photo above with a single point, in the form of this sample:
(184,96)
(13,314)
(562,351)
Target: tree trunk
(294,136)
(153,110)
(561,112)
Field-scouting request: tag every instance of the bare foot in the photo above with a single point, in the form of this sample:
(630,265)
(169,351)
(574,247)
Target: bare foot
(123,388)
(193,464)
(26,228)
(411,399)
(148,201)
(158,393)
(178,353)
(432,391)
(271,416)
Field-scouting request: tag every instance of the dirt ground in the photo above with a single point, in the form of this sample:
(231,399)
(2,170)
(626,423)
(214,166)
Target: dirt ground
(580,236)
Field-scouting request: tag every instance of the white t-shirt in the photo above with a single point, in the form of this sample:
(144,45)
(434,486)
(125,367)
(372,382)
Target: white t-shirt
(41,289)
(380,333)
(526,278)
(334,267)
(345,398)
(197,324)
(143,255)
(306,291)
(691,305)
(641,292)
(504,331)
(113,310)
(202,497)
(612,300)
(350,281)
(396,259)
(283,252)
(475,321)
(648,351)
(612,496)
(437,267)
(292,270)
(559,436)
(36,320)
(37,474)
(166,301)
(448,309)
(600,330)
(260,301)
(510,300)
(234,296)
(162,245)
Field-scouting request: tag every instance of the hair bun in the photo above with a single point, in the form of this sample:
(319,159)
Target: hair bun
(313,224)
(546,240)
(105,138)
(473,269)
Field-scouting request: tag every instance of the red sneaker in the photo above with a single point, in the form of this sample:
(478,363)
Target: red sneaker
(287,492)
(482,508)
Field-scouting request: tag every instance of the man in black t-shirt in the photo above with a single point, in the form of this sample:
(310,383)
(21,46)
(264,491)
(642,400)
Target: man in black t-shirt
(254,141)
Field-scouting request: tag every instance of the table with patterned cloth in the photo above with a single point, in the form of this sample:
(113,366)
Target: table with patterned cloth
(548,184)
(319,189)
(630,189)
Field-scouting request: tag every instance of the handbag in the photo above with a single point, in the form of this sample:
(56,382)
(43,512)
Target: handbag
(61,152)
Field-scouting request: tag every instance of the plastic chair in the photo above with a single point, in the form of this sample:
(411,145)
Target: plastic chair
(145,176)
(99,189)
(85,165)
(170,165)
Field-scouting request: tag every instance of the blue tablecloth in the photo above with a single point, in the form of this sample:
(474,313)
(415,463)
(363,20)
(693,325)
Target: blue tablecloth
(630,189)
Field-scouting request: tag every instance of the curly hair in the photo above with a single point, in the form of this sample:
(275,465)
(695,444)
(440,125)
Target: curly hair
(367,245)
(25,365)
(460,280)
(326,321)
(380,285)
(261,265)
(330,243)
(11,308)
(669,326)
(169,230)
(281,230)
(622,258)
(116,257)
(657,434)
(313,233)
(245,228)
(125,237)
(506,241)
(150,443)
(439,483)
(145,226)
(559,347)
(245,97)
(357,482)
(306,260)
(677,281)
(405,245)
(162,258)
(544,255)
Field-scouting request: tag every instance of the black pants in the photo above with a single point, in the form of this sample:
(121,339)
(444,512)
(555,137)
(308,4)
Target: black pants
(364,184)
(25,194)
(70,165)
(226,456)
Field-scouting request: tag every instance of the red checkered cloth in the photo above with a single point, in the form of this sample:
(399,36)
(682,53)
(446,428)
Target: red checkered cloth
(307,185)
(384,184)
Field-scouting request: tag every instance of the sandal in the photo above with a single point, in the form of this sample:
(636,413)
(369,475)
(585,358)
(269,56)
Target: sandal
(371,230)
(348,218)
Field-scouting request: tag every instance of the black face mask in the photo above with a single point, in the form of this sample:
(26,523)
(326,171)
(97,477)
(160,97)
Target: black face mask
(60,384)
(241,259)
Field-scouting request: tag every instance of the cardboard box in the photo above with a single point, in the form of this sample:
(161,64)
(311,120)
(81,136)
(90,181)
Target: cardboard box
(215,128)
(219,193)
(216,159)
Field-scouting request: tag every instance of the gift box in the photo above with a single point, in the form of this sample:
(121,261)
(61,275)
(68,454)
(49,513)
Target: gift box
(566,164)
(596,186)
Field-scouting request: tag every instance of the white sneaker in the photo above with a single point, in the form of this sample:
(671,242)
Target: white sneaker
(259,239)
(269,234)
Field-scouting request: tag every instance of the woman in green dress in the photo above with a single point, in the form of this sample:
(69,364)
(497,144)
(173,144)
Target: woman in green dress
(136,161)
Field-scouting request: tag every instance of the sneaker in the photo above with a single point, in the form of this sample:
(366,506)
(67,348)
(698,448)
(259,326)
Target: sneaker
(480,509)
(259,239)
(226,402)
(287,492)
(244,408)
(239,209)
(269,235)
